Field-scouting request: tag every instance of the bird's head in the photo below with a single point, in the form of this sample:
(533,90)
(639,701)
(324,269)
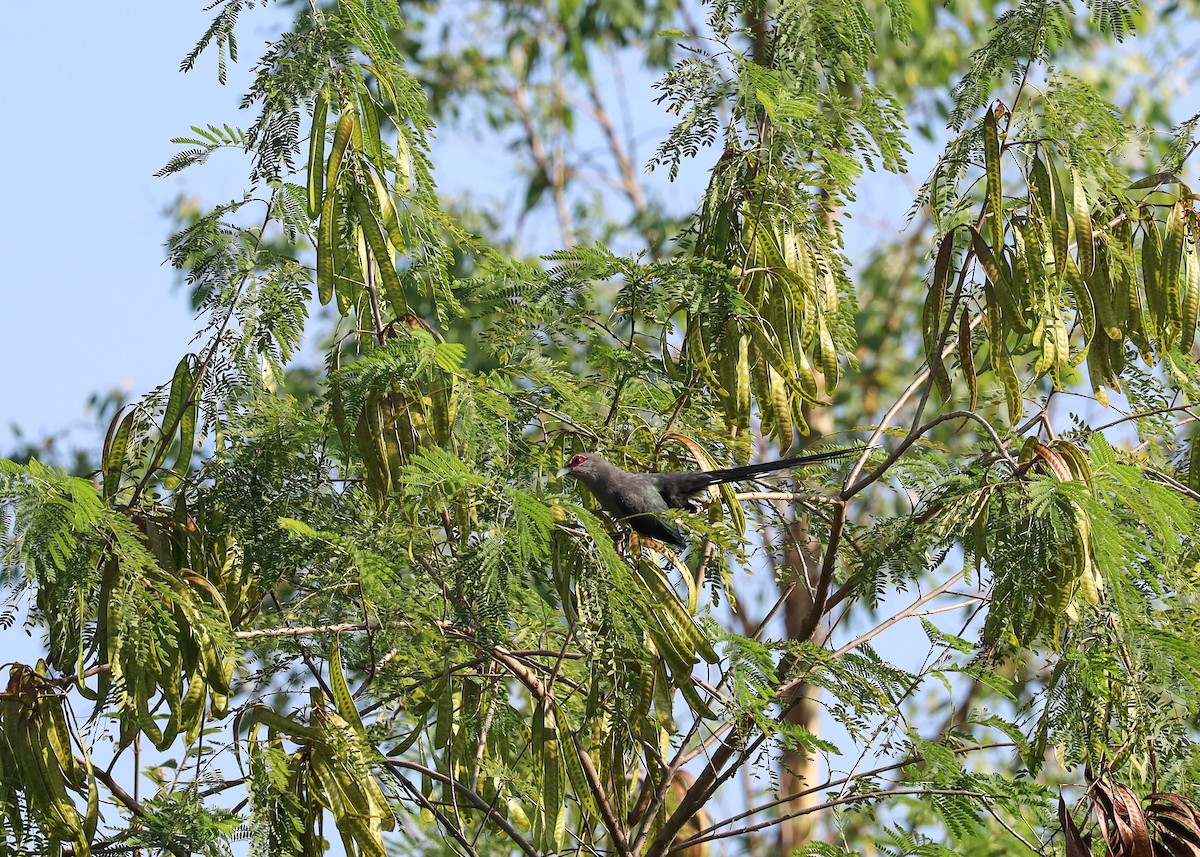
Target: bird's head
(581,465)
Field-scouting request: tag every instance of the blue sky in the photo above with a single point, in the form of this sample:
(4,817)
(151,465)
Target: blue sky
(85,300)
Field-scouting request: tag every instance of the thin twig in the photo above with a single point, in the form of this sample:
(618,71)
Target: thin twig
(1142,414)
(127,800)
(608,815)
(831,783)
(629,179)
(489,810)
(971,415)
(444,823)
(850,487)
(907,613)
(786,496)
(865,796)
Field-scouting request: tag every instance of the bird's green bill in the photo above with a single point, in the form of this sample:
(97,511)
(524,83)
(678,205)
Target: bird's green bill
(562,471)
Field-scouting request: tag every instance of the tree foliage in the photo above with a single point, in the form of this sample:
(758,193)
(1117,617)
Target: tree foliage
(373,609)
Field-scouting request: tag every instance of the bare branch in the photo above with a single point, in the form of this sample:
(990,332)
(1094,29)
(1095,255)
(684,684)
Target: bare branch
(629,180)
(306,631)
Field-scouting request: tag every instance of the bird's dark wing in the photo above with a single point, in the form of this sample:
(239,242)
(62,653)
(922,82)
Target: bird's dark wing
(635,505)
(656,528)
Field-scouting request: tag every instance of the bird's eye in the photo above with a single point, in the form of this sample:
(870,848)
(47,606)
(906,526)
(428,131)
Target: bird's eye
(577,460)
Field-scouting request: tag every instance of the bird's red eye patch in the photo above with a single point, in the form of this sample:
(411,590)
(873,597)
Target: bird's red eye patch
(577,460)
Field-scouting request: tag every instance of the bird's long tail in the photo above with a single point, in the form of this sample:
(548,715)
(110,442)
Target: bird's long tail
(738,474)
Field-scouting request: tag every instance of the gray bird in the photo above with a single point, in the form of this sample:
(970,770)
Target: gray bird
(636,498)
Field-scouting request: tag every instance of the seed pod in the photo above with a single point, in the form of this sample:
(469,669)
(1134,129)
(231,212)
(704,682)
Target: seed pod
(1172,253)
(1083,225)
(829,359)
(1098,370)
(991,163)
(1007,372)
(1100,287)
(1156,300)
(1058,221)
(316,155)
(1085,308)
(1191,295)
(966,357)
(931,320)
(1193,474)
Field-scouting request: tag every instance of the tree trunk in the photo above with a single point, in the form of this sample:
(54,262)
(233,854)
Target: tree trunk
(799,769)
